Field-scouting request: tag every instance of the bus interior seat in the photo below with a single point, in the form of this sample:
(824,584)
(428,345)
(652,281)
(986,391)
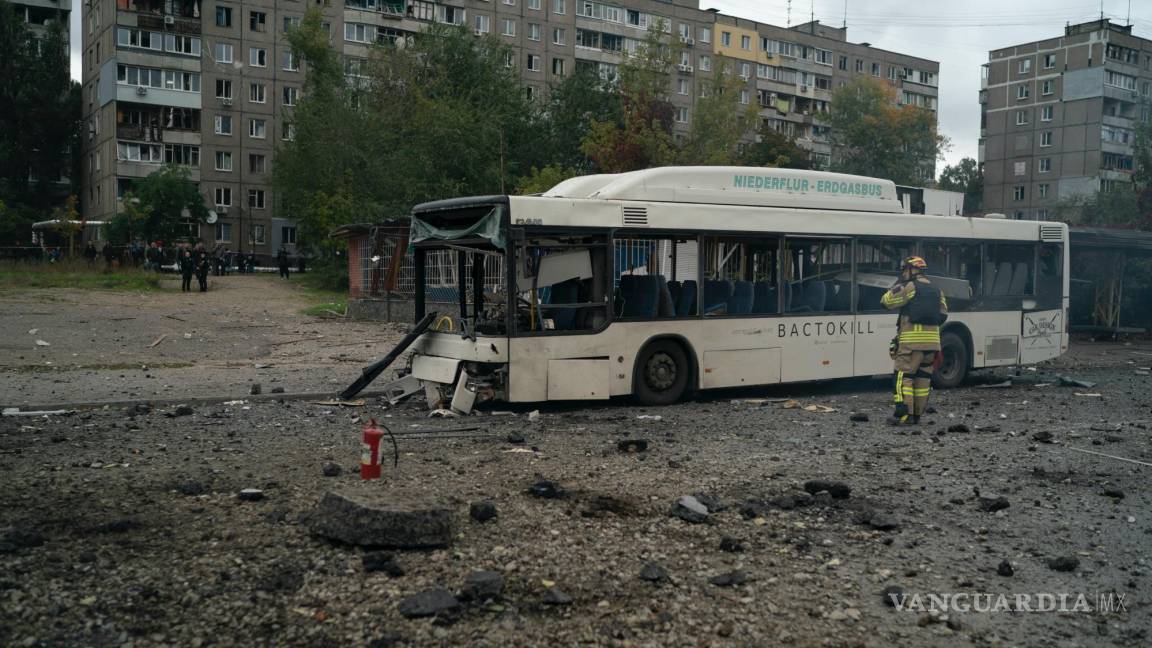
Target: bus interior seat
(715,295)
(742,296)
(764,298)
(1003,279)
(687,304)
(815,296)
(839,296)
(1019,279)
(787,296)
(675,289)
(664,307)
(640,294)
(565,292)
(990,275)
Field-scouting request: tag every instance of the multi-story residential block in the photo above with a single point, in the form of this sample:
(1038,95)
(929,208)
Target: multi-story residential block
(211,85)
(40,15)
(1057,117)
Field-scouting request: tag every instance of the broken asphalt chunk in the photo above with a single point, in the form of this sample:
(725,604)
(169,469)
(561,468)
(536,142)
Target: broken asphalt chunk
(483,586)
(393,522)
(689,509)
(654,573)
(990,502)
(838,490)
(1065,381)
(1063,563)
(628,446)
(729,579)
(893,595)
(482,511)
(428,603)
(546,490)
(1005,568)
(553,596)
(379,561)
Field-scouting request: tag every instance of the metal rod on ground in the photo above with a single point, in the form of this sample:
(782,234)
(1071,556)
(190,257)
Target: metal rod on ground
(1093,452)
(371,372)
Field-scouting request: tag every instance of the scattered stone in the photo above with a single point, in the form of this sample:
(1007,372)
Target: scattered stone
(277,390)
(988,429)
(793,500)
(482,511)
(892,595)
(1005,568)
(883,522)
(689,509)
(553,596)
(1043,436)
(393,522)
(142,408)
(629,446)
(654,573)
(731,545)
(958,428)
(729,579)
(1114,493)
(838,490)
(251,495)
(483,586)
(1063,563)
(182,410)
(428,603)
(515,437)
(117,526)
(858,417)
(990,502)
(379,561)
(332,469)
(545,489)
(22,538)
(254,389)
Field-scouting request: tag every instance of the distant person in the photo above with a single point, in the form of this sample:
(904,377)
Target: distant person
(187,267)
(251,263)
(300,263)
(203,266)
(90,253)
(282,261)
(109,256)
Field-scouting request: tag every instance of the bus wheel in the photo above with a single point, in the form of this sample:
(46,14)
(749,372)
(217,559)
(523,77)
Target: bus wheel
(663,373)
(954,367)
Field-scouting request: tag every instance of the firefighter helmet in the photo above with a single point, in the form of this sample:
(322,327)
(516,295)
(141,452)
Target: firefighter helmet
(916,263)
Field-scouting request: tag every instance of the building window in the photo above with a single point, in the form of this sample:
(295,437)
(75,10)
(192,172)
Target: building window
(558,66)
(682,115)
(137,38)
(533,32)
(223,16)
(705,35)
(705,63)
(875,69)
(558,7)
(288,234)
(482,24)
(289,63)
(859,65)
(1022,91)
(223,89)
(1046,87)
(509,27)
(1046,138)
(182,154)
(223,53)
(533,62)
(1042,214)
(726,39)
(746,43)
(256,198)
(843,63)
(257,162)
(290,23)
(558,36)
(256,92)
(1046,113)
(287,131)
(223,197)
(1025,66)
(824,57)
(257,128)
(1021,117)
(256,232)
(223,232)
(1044,165)
(1018,192)
(223,161)
(258,57)
(291,95)
(1042,190)
(223,124)
(1049,61)
(744,97)
(534,4)
(257,21)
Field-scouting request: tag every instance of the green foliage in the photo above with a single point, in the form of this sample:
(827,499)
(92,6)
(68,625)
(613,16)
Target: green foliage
(718,127)
(77,275)
(774,149)
(874,137)
(574,105)
(157,209)
(967,177)
(39,123)
(1117,209)
(541,180)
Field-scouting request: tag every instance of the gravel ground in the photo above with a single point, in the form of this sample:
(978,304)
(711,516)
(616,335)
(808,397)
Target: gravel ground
(120,526)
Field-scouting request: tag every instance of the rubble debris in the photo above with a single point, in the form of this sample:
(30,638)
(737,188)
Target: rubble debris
(482,511)
(729,579)
(553,596)
(339,403)
(958,428)
(42,343)
(16,411)
(277,390)
(990,502)
(883,522)
(999,385)
(332,469)
(251,495)
(546,489)
(395,522)
(731,545)
(1043,436)
(648,417)
(1102,427)
(1113,493)
(1093,395)
(654,573)
(857,417)
(191,488)
(689,509)
(892,595)
(1065,381)
(515,437)
(442,413)
(1101,454)
(838,490)
(1063,563)
(20,538)
(428,603)
(820,409)
(379,561)
(483,586)
(180,410)
(534,415)
(1005,568)
(629,446)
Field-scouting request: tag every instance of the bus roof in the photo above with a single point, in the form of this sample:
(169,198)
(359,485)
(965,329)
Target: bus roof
(748,186)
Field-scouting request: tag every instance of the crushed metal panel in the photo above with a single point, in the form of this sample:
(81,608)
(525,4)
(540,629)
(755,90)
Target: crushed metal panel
(578,379)
(436,369)
(463,398)
(741,367)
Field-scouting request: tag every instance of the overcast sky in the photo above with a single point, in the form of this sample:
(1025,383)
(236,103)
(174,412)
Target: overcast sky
(957,34)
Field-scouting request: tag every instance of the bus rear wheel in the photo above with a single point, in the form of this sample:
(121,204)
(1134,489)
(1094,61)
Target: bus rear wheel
(954,366)
(662,373)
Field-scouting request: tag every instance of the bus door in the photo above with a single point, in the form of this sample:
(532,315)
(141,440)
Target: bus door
(1042,322)
(818,327)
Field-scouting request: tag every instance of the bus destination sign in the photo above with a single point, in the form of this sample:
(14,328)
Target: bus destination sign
(804,185)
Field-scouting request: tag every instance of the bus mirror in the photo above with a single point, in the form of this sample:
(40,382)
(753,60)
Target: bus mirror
(1029,304)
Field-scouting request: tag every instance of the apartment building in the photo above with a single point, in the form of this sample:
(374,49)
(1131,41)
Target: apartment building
(211,85)
(1057,117)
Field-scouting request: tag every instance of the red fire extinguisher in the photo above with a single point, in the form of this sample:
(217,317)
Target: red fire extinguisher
(370,451)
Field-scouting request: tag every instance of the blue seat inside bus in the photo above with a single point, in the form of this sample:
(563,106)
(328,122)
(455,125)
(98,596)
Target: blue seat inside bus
(664,305)
(764,297)
(686,302)
(565,292)
(1019,279)
(715,295)
(813,297)
(640,295)
(742,297)
(1002,284)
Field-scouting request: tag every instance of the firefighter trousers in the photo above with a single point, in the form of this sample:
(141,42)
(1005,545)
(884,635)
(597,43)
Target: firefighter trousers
(913,381)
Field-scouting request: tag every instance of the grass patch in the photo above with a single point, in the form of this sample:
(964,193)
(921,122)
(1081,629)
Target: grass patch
(22,276)
(328,309)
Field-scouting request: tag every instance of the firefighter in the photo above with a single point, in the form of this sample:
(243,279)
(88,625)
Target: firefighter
(914,350)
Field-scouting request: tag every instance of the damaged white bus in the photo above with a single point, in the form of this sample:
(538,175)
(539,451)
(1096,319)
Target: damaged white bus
(660,282)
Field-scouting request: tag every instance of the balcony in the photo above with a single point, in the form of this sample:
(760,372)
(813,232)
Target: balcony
(184,16)
(137,132)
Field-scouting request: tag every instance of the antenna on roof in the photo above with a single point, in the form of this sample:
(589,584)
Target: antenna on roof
(789,13)
(844,25)
(812,16)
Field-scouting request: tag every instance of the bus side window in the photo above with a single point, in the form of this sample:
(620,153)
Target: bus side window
(957,267)
(1009,271)
(819,273)
(740,277)
(655,277)
(1050,276)
(878,264)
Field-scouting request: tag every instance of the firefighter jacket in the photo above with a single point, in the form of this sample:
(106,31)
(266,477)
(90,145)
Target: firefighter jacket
(913,337)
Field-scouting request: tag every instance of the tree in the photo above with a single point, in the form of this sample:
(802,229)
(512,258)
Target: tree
(774,149)
(873,136)
(718,126)
(541,180)
(164,205)
(967,177)
(68,222)
(575,103)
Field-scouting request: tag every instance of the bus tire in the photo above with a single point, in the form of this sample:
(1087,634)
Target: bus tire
(662,373)
(954,367)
